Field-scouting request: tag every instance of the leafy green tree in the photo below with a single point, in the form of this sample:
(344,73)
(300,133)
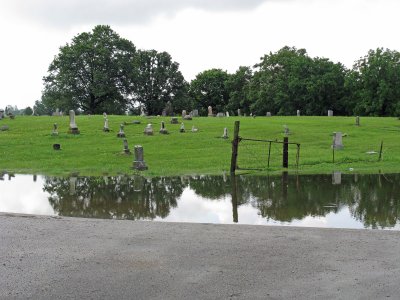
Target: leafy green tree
(289,80)
(157,81)
(40,109)
(238,85)
(209,89)
(92,73)
(28,111)
(375,83)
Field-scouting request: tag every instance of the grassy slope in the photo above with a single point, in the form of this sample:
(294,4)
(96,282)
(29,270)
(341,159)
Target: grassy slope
(27,146)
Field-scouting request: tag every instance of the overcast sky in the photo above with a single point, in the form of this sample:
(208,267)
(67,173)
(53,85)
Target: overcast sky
(199,34)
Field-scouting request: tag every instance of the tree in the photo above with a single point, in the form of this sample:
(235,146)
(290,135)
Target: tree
(93,73)
(157,81)
(40,109)
(28,111)
(375,83)
(238,85)
(209,89)
(289,80)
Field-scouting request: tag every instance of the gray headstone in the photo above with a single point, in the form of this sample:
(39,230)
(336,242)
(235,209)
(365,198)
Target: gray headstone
(268,114)
(121,132)
(139,163)
(105,128)
(182,129)
(168,109)
(174,120)
(163,130)
(148,130)
(195,113)
(55,129)
(188,117)
(73,128)
(4,128)
(104,115)
(336,178)
(210,112)
(225,135)
(183,113)
(298,113)
(239,112)
(227,114)
(164,113)
(220,115)
(142,112)
(337,141)
(126,147)
(330,113)
(57,112)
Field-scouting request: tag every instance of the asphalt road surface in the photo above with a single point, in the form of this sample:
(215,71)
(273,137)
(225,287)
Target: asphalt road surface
(64,258)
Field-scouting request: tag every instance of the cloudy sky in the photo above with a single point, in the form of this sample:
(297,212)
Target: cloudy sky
(199,34)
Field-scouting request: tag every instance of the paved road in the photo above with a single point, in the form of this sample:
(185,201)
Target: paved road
(52,257)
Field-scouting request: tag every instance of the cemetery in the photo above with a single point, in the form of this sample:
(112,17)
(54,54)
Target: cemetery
(90,145)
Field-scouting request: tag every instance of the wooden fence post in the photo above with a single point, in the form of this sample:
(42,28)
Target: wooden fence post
(235,145)
(285,154)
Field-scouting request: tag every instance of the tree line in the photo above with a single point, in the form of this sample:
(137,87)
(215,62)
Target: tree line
(100,71)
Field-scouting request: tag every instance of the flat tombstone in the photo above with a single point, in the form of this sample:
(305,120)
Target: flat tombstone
(268,114)
(210,112)
(139,163)
(330,113)
(73,128)
(337,141)
(183,113)
(298,113)
(174,120)
(121,133)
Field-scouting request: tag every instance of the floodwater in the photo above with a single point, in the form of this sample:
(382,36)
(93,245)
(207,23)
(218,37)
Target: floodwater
(333,201)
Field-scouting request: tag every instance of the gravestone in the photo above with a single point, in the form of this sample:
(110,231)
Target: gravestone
(164,113)
(227,114)
(286,130)
(163,130)
(268,114)
(337,141)
(188,117)
(195,113)
(225,135)
(104,115)
(357,121)
(73,128)
(142,112)
(1,114)
(148,130)
(330,113)
(194,129)
(55,130)
(121,133)
(183,113)
(168,109)
(210,112)
(4,128)
(298,113)
(136,122)
(126,147)
(139,163)
(174,120)
(182,129)
(239,112)
(220,115)
(336,178)
(105,128)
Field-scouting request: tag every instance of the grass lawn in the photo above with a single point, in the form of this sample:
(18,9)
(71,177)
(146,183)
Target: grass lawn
(27,146)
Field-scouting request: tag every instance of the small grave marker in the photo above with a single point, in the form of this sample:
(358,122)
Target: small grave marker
(182,129)
(139,163)
(148,130)
(121,133)
(105,128)
(163,130)
(55,130)
(225,135)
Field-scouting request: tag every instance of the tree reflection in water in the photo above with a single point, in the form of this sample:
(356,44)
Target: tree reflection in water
(372,199)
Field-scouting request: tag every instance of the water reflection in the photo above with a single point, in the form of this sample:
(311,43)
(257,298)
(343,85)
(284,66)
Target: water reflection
(337,200)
